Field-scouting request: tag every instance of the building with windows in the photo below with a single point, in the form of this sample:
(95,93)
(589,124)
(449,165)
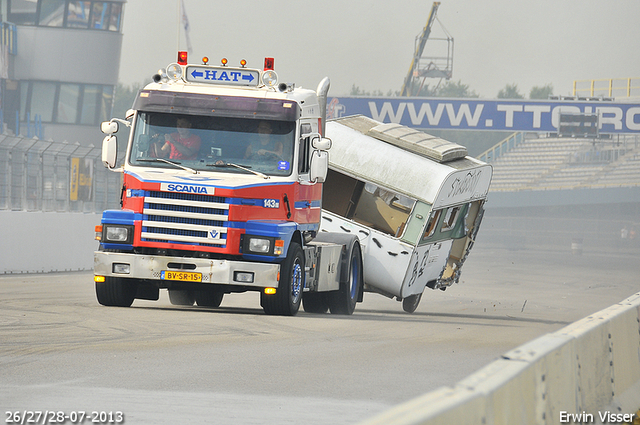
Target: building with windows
(59,66)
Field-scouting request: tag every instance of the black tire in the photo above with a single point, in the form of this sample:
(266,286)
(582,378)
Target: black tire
(116,292)
(286,301)
(344,300)
(315,302)
(181,297)
(209,298)
(410,303)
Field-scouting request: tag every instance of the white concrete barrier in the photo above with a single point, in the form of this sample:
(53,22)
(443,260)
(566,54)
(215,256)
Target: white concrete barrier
(38,242)
(587,372)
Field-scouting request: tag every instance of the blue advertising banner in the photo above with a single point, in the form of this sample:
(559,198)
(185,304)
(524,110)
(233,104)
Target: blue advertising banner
(477,114)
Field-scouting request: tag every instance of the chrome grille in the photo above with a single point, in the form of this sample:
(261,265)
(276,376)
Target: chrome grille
(185,218)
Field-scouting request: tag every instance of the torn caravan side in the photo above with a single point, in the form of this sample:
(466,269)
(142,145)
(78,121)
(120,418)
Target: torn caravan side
(415,202)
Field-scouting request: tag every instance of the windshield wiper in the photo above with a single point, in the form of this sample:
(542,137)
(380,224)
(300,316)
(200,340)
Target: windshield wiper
(175,164)
(244,168)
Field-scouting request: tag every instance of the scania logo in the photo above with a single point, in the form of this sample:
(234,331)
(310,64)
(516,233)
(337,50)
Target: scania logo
(186,188)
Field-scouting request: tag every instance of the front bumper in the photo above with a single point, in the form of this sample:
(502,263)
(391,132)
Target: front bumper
(219,272)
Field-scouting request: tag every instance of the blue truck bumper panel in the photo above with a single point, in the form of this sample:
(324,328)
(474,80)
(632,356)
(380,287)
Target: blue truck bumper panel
(213,271)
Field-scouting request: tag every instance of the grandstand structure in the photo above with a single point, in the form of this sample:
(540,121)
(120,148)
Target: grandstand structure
(530,162)
(578,164)
(565,193)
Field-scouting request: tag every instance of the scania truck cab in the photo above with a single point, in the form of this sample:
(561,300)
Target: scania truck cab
(222,189)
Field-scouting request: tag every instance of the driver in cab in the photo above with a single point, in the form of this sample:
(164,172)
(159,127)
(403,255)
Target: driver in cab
(180,144)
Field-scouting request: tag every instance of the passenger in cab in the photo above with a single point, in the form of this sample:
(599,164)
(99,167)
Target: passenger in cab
(265,146)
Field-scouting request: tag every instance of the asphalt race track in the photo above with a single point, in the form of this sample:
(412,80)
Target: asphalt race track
(156,363)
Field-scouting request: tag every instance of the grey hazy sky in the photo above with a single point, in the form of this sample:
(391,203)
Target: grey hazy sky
(370,43)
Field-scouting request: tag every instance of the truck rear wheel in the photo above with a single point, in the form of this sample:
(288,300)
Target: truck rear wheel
(344,300)
(209,298)
(286,300)
(315,302)
(181,297)
(116,292)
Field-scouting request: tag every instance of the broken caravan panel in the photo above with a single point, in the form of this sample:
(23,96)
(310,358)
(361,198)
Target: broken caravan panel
(415,202)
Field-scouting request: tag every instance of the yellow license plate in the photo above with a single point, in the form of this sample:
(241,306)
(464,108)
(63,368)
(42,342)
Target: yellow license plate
(181,276)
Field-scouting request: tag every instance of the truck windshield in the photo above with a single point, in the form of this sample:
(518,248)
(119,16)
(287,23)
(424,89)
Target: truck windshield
(213,143)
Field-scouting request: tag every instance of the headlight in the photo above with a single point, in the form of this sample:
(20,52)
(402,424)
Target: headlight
(117,234)
(121,268)
(174,72)
(261,246)
(270,78)
(244,277)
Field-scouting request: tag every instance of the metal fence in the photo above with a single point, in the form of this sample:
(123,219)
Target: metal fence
(615,87)
(501,148)
(40,175)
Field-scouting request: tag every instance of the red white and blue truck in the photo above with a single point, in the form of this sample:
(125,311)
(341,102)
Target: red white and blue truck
(222,189)
(223,192)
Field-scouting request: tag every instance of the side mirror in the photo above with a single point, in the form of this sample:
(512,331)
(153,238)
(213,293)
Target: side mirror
(109,127)
(321,143)
(319,166)
(109,151)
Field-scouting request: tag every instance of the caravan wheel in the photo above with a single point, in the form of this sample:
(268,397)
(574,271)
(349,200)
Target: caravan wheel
(410,303)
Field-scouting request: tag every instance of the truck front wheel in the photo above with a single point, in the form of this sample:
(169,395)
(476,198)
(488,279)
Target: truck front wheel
(116,292)
(209,298)
(286,300)
(181,297)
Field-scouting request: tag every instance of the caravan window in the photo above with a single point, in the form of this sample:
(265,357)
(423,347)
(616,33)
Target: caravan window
(383,210)
(431,226)
(450,219)
(446,223)
(366,203)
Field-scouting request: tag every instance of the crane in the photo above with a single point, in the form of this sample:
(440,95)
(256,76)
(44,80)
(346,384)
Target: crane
(432,69)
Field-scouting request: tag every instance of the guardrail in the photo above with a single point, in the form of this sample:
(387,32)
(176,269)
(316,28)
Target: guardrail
(612,87)
(44,242)
(41,175)
(587,372)
(493,153)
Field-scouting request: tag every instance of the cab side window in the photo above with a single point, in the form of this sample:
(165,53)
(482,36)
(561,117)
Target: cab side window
(304,150)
